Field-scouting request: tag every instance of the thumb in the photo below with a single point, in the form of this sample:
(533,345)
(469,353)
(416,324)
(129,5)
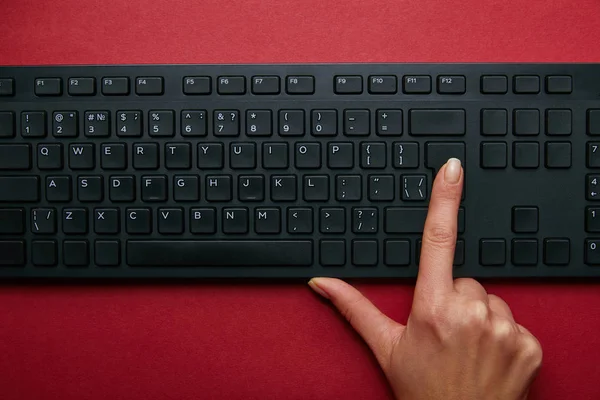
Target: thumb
(378,330)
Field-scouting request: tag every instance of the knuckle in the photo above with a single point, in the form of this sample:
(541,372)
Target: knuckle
(460,283)
(439,235)
(503,330)
(476,315)
(531,351)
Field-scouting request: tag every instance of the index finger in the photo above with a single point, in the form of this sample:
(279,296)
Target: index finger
(440,231)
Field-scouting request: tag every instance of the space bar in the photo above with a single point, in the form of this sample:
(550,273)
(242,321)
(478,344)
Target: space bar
(219,253)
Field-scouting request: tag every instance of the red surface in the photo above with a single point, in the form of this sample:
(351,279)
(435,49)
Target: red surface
(235,341)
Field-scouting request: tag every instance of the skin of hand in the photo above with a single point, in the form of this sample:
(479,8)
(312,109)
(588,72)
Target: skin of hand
(459,342)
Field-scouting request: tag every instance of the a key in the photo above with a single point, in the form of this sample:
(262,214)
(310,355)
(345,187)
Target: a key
(58,188)
(43,220)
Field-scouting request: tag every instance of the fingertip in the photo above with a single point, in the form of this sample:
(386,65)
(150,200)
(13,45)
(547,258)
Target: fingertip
(452,171)
(316,284)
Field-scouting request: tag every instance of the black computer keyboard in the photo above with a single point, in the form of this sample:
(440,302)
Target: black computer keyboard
(296,170)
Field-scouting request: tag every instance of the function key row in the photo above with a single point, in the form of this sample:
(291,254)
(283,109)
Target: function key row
(293,85)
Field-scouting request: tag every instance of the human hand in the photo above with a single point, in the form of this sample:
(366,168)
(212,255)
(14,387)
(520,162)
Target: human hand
(459,341)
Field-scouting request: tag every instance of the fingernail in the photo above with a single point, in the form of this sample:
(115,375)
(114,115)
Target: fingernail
(313,283)
(452,174)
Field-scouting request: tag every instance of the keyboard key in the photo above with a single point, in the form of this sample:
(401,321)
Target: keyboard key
(33,124)
(265,85)
(592,189)
(90,188)
(275,155)
(307,155)
(383,84)
(451,84)
(219,253)
(65,124)
(332,253)
(267,221)
(115,86)
(493,155)
(161,123)
(438,153)
(195,85)
(178,156)
(170,221)
(82,86)
(372,155)
(154,188)
(43,220)
(218,188)
(364,252)
(48,87)
(113,156)
(299,220)
(259,123)
(122,188)
(526,122)
(389,122)
(592,219)
(524,252)
(81,156)
(357,122)
(592,252)
(7,87)
(12,253)
(151,85)
(138,221)
(50,156)
(14,189)
(193,123)
(44,253)
(107,253)
(416,84)
(283,188)
(129,123)
(381,188)
(494,84)
(494,122)
(13,221)
(251,188)
(561,84)
(526,84)
(593,155)
(226,123)
(397,253)
(558,122)
(557,251)
(231,85)
(75,253)
(291,122)
(348,188)
(558,155)
(437,122)
(300,85)
(525,219)
(316,188)
(365,220)
(186,188)
(593,122)
(492,252)
(405,219)
(414,187)
(348,84)
(526,154)
(210,155)
(58,189)
(332,220)
(406,155)
(15,157)
(242,155)
(203,220)
(96,124)
(7,124)
(340,155)
(75,221)
(106,221)
(324,122)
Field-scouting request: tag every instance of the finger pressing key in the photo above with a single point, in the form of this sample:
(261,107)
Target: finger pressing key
(439,234)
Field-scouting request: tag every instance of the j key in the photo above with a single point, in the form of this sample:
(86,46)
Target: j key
(170,221)
(65,124)
(291,122)
(75,221)
(161,123)
(13,220)
(265,85)
(300,220)
(81,156)
(300,85)
(193,123)
(389,122)
(96,124)
(316,188)
(364,220)
(178,155)
(113,156)
(210,155)
(283,188)
(259,123)
(242,155)
(340,155)
(324,122)
(115,86)
(145,156)
(19,189)
(381,187)
(82,86)
(33,124)
(193,85)
(231,85)
(122,188)
(251,188)
(15,157)
(152,85)
(235,220)
(348,188)
(218,188)
(203,220)
(219,253)
(186,188)
(43,220)
(226,123)
(129,123)
(12,253)
(267,220)
(405,155)
(372,155)
(106,221)
(7,124)
(154,188)
(48,87)
(58,188)
(275,155)
(416,84)
(90,188)
(332,220)
(437,122)
(138,220)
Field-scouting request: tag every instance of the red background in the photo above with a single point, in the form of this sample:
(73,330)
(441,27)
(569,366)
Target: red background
(269,341)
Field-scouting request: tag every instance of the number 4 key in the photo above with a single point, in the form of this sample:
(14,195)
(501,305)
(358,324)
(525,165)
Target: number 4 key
(592,188)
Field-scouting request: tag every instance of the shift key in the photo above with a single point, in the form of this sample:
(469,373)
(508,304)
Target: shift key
(437,122)
(14,189)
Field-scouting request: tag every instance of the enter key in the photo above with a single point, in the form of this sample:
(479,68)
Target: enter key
(438,153)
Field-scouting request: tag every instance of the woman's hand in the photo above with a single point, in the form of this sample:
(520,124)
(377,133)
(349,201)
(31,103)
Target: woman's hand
(459,342)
